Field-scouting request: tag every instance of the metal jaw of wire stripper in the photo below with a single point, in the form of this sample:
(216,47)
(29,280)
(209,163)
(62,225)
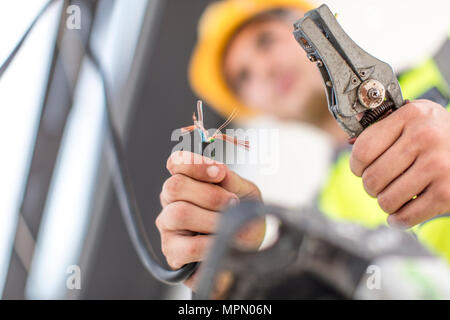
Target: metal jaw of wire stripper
(360,89)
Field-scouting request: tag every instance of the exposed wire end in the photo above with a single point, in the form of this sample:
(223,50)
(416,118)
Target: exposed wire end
(188,129)
(228,121)
(237,142)
(200,112)
(198,125)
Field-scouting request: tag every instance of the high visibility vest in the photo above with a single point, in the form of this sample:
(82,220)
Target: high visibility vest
(343,196)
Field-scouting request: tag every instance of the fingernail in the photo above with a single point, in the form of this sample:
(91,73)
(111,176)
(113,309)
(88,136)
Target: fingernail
(213,171)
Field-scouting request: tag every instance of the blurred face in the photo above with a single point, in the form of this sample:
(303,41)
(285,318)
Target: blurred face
(267,70)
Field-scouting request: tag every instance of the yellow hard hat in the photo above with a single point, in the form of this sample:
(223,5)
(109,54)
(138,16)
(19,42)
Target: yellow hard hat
(217,25)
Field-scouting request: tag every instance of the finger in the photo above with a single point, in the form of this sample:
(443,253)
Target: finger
(196,166)
(180,250)
(186,216)
(163,201)
(391,164)
(410,184)
(205,195)
(415,211)
(375,140)
(240,186)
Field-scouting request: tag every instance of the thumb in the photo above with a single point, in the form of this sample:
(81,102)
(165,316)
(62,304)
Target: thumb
(241,187)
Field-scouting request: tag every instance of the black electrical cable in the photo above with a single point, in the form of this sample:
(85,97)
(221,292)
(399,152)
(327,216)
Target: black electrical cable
(120,176)
(128,203)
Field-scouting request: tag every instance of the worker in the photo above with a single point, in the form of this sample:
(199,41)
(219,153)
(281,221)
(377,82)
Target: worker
(247,57)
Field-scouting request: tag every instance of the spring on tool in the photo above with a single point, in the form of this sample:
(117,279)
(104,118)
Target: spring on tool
(373,115)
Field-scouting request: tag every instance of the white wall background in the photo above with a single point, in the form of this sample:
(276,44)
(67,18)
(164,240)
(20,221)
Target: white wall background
(21,93)
(400,32)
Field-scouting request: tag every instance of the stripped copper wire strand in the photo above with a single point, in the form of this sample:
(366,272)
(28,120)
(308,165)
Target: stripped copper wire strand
(227,122)
(200,112)
(198,125)
(242,143)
